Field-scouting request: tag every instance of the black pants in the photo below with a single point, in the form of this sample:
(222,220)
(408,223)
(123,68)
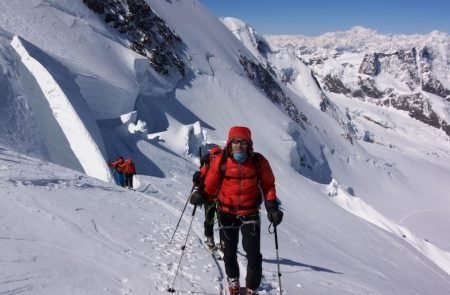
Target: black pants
(128,180)
(250,227)
(210,212)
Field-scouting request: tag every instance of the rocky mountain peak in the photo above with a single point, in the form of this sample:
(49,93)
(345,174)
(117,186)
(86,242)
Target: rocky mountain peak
(365,65)
(147,33)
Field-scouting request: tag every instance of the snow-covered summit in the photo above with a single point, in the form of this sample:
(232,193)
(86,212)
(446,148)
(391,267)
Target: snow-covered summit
(405,71)
(248,36)
(362,38)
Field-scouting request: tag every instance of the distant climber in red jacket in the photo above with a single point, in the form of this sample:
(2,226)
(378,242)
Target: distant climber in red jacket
(129,171)
(117,173)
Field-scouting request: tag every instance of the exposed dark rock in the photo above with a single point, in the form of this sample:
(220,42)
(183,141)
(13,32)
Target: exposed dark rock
(374,121)
(147,33)
(263,47)
(263,79)
(402,65)
(425,60)
(368,136)
(358,93)
(418,107)
(425,54)
(288,75)
(429,82)
(315,61)
(433,85)
(446,127)
(370,65)
(334,84)
(368,88)
(96,6)
(325,103)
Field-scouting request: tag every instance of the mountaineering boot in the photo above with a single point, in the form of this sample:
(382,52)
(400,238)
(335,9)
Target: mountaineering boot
(210,243)
(251,292)
(233,285)
(212,248)
(220,246)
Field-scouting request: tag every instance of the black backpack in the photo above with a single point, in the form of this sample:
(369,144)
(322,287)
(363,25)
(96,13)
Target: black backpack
(206,159)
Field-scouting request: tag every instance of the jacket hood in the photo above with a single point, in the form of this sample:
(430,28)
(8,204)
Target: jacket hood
(240,132)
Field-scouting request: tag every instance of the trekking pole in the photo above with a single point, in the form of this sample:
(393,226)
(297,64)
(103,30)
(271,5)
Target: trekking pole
(187,201)
(278,258)
(185,205)
(171,289)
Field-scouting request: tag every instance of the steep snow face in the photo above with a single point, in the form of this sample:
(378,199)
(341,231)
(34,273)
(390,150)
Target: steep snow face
(82,42)
(81,134)
(14,108)
(248,36)
(348,85)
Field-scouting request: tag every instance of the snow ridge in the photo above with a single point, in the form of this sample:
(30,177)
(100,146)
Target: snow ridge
(358,207)
(80,139)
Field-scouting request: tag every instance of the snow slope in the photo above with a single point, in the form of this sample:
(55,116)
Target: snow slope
(392,144)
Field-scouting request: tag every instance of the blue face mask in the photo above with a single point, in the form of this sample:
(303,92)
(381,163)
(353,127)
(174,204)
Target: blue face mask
(240,157)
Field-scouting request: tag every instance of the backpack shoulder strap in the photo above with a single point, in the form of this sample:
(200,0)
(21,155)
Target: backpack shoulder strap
(204,161)
(222,167)
(223,164)
(256,162)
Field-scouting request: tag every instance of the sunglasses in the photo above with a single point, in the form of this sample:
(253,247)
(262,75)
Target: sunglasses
(239,141)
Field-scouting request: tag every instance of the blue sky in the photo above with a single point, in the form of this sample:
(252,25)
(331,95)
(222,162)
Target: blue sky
(315,17)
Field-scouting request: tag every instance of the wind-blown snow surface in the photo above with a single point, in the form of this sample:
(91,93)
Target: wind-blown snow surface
(66,233)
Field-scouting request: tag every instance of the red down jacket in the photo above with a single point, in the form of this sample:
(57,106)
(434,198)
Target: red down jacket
(239,192)
(127,167)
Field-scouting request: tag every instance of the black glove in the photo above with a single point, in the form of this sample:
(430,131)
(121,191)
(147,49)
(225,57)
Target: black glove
(197,178)
(274,214)
(196,198)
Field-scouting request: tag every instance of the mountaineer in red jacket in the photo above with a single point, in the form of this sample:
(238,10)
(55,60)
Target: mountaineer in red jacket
(118,174)
(210,205)
(241,179)
(129,171)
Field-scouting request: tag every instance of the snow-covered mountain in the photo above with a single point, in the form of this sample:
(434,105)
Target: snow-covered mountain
(410,73)
(362,182)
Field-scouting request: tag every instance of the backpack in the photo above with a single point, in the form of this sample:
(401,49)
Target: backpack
(206,159)
(199,175)
(127,167)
